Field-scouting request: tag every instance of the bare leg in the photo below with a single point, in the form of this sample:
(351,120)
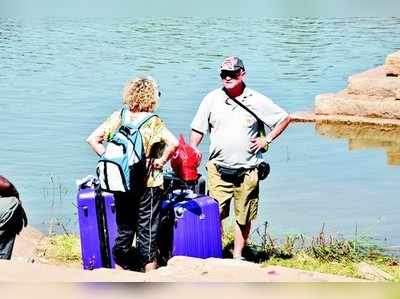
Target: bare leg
(150,266)
(241,236)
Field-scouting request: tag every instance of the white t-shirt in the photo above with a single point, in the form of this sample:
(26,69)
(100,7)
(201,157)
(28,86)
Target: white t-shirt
(231,127)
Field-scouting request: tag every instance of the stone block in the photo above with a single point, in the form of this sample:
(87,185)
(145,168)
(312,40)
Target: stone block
(349,105)
(374,83)
(374,93)
(392,64)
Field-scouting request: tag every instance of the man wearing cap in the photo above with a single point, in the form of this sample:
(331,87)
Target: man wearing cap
(12,217)
(235,144)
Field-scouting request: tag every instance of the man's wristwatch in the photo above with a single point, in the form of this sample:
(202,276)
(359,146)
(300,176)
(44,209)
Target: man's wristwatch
(267,143)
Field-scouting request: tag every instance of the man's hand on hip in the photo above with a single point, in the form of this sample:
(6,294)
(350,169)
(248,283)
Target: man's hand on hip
(256,144)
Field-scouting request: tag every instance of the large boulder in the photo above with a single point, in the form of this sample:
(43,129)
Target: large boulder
(360,105)
(374,83)
(392,64)
(373,93)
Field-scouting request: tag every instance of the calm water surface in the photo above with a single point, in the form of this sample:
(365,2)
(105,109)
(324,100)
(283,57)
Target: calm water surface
(60,78)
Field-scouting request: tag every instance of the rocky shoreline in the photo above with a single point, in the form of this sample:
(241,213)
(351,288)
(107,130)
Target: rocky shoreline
(371,97)
(27,266)
(366,112)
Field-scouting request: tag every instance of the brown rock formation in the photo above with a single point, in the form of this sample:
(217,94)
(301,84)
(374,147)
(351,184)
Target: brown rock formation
(392,64)
(373,93)
(374,84)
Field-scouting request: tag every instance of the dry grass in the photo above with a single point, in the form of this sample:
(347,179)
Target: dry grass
(60,249)
(322,253)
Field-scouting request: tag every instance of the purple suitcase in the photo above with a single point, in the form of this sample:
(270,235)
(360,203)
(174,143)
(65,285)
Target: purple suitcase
(98,229)
(196,227)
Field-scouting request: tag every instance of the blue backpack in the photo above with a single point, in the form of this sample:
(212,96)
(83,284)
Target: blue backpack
(122,167)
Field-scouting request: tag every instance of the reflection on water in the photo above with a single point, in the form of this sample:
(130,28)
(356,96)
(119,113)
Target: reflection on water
(365,137)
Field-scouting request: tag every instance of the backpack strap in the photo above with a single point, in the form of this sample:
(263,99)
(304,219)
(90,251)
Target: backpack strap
(144,119)
(126,121)
(124,116)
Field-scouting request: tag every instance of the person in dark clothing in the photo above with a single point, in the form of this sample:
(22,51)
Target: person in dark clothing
(12,217)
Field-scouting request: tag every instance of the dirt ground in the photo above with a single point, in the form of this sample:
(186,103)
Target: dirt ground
(27,266)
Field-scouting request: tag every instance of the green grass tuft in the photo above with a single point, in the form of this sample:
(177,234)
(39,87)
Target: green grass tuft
(61,248)
(322,253)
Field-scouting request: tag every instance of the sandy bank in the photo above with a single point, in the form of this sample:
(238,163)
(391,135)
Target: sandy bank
(26,266)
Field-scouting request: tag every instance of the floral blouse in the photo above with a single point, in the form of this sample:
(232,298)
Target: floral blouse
(153,133)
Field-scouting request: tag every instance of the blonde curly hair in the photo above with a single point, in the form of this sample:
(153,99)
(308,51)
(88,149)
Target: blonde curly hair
(141,94)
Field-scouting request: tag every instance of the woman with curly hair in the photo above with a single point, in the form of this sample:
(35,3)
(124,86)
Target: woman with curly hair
(138,212)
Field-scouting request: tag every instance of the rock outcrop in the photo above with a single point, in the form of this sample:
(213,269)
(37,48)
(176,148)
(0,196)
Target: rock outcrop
(374,93)
(392,64)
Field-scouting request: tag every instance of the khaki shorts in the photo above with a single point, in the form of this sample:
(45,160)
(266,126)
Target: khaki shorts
(245,196)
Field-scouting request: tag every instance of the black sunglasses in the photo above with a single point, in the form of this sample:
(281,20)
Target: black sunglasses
(231,74)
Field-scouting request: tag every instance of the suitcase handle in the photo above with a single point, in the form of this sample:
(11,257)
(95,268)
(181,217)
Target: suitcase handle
(179,212)
(113,208)
(85,211)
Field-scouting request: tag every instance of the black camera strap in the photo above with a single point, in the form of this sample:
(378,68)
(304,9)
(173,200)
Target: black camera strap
(260,123)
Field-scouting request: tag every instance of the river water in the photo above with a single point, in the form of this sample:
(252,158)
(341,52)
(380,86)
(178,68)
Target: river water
(60,78)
